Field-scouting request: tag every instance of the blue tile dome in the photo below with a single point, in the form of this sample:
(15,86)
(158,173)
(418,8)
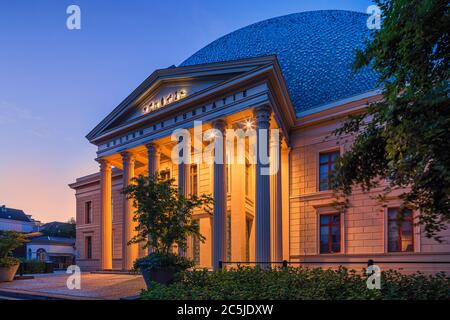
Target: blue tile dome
(315,50)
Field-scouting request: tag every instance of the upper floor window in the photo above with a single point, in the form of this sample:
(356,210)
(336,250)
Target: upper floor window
(330,233)
(194,179)
(400,230)
(247,178)
(88,212)
(327,161)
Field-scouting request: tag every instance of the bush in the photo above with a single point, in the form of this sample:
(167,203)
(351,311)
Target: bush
(32,267)
(9,241)
(157,260)
(298,284)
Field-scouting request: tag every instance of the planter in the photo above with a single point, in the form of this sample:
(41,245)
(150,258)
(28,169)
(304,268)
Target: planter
(160,275)
(7,273)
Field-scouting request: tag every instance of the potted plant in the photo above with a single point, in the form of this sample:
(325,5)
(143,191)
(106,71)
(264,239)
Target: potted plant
(9,241)
(164,220)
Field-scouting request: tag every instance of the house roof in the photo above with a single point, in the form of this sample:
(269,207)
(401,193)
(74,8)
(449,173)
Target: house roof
(53,240)
(315,50)
(13,214)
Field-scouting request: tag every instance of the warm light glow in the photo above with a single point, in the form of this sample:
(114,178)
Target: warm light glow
(248,124)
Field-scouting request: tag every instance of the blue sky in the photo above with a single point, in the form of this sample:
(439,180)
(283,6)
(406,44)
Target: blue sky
(57,84)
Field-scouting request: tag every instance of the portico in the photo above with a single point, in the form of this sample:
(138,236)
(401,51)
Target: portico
(137,138)
(244,226)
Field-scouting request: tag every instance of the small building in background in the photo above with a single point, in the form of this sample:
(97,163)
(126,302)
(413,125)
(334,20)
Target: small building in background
(60,251)
(52,242)
(17,220)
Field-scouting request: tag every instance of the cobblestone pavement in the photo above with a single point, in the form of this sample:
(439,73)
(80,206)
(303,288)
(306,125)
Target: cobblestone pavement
(93,286)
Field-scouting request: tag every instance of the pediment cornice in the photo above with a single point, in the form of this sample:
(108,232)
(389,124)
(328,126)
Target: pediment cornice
(244,73)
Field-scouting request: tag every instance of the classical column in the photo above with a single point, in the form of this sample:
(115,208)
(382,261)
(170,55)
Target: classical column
(183,182)
(238,213)
(106,215)
(220,198)
(129,252)
(154,157)
(262,187)
(276,198)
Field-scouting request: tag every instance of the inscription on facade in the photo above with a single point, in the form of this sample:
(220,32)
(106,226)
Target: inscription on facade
(156,104)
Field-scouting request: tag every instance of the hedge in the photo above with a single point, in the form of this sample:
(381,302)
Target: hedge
(32,267)
(300,283)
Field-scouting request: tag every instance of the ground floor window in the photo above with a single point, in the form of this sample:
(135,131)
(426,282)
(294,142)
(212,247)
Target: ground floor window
(229,237)
(330,233)
(41,255)
(400,230)
(196,247)
(248,232)
(88,247)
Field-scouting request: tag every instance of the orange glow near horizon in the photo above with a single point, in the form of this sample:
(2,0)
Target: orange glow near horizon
(41,190)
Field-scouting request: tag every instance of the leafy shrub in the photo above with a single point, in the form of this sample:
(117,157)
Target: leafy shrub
(157,260)
(32,266)
(9,241)
(298,284)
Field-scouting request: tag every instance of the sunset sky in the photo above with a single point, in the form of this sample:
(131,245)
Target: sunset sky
(57,84)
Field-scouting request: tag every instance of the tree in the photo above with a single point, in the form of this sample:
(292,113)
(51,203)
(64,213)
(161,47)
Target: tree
(9,241)
(405,138)
(164,215)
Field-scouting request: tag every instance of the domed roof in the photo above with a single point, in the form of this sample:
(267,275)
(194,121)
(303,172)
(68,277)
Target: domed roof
(315,50)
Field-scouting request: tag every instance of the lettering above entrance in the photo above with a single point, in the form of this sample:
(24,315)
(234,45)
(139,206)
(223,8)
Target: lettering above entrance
(158,103)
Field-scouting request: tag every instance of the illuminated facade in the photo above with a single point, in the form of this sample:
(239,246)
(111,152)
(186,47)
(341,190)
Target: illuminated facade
(291,73)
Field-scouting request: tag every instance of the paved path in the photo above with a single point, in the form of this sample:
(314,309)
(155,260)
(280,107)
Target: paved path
(93,286)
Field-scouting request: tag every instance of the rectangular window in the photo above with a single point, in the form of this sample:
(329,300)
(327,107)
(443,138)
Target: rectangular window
(196,248)
(330,233)
(194,179)
(88,247)
(228,237)
(400,230)
(88,212)
(248,232)
(327,161)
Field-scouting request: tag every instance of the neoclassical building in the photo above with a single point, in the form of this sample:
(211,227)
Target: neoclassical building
(292,73)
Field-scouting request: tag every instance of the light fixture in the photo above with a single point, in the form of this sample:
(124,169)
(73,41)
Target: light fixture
(248,124)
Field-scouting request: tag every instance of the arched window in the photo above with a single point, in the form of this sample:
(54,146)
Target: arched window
(41,255)
(29,254)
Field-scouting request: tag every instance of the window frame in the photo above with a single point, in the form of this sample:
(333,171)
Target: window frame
(330,235)
(399,240)
(88,247)
(329,163)
(88,216)
(193,179)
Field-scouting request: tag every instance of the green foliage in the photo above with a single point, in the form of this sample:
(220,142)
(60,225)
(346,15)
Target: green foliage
(298,284)
(157,260)
(405,138)
(164,216)
(9,241)
(32,266)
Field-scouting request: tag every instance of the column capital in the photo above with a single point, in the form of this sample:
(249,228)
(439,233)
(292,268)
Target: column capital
(153,147)
(104,164)
(220,125)
(262,116)
(128,156)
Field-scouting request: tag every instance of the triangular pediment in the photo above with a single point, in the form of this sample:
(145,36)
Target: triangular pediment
(172,91)
(171,86)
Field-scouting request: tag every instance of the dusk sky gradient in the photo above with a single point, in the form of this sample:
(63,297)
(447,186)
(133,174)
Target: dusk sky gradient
(57,84)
